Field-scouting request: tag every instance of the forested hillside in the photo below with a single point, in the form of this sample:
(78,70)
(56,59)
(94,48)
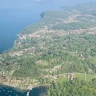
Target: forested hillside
(73,88)
(62,42)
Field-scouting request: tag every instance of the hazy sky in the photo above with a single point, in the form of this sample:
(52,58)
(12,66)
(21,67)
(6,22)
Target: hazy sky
(29,3)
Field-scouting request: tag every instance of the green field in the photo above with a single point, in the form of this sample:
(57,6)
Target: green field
(81,76)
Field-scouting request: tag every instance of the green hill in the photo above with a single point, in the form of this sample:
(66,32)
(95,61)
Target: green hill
(62,42)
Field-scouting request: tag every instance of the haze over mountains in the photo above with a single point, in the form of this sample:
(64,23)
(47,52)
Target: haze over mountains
(28,4)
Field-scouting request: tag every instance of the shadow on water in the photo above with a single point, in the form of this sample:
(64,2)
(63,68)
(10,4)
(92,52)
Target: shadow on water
(38,91)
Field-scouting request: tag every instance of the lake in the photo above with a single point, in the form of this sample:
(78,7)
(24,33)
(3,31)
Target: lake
(15,15)
(11,23)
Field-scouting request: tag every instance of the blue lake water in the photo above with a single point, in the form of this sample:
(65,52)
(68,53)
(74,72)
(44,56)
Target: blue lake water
(15,15)
(8,91)
(11,23)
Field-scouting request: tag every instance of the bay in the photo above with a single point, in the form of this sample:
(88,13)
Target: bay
(9,91)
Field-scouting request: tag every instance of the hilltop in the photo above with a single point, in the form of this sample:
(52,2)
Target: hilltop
(62,42)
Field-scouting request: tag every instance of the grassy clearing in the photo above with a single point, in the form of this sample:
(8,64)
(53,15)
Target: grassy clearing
(81,76)
(86,77)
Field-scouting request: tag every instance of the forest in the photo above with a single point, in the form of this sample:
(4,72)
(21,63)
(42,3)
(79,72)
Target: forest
(73,88)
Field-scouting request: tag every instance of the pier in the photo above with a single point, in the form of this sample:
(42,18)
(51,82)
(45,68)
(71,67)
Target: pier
(28,93)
